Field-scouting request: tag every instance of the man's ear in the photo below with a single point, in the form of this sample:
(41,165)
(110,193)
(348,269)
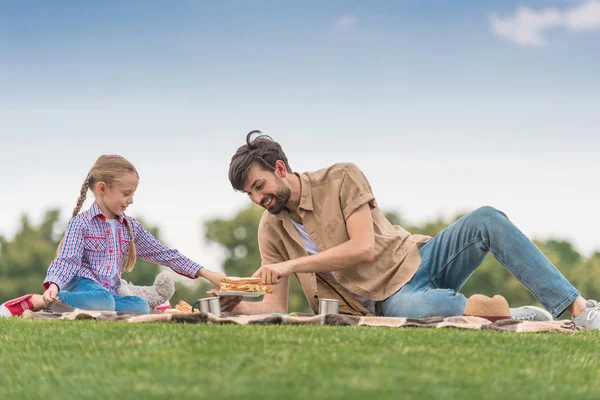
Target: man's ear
(280,169)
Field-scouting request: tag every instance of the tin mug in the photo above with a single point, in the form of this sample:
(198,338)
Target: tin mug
(209,305)
(329,306)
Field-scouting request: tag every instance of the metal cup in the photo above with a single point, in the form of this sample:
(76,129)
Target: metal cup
(209,305)
(329,306)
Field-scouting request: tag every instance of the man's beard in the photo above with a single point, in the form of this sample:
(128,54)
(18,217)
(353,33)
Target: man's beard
(280,199)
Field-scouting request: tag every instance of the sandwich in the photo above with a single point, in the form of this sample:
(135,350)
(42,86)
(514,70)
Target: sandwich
(234,284)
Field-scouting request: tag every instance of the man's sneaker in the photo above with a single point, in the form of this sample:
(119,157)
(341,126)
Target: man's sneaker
(16,307)
(590,317)
(530,313)
(592,304)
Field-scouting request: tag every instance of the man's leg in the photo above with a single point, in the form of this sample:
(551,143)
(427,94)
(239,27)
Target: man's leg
(419,298)
(452,256)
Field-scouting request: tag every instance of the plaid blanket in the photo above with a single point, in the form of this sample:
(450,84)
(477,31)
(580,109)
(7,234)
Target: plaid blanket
(63,312)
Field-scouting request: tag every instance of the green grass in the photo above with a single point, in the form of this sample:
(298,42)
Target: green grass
(91,359)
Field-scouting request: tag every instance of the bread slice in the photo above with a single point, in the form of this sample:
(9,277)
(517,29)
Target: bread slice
(234,280)
(236,284)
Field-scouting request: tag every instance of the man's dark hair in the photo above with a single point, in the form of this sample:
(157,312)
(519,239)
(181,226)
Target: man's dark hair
(261,150)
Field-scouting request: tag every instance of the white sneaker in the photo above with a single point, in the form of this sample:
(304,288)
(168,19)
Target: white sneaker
(4,312)
(530,313)
(590,317)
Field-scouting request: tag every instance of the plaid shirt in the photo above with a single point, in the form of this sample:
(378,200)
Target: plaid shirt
(88,250)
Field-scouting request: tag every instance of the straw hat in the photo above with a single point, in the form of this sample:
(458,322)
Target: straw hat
(493,309)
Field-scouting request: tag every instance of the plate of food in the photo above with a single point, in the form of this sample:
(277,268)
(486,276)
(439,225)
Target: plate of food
(245,287)
(242,294)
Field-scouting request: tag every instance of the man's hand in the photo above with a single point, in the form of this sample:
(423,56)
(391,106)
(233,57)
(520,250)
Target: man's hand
(230,303)
(51,294)
(213,277)
(271,274)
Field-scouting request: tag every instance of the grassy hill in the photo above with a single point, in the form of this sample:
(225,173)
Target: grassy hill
(97,360)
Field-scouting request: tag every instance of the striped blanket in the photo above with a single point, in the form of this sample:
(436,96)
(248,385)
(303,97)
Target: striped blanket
(63,312)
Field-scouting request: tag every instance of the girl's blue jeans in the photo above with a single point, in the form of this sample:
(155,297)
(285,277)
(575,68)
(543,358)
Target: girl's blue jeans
(88,295)
(450,258)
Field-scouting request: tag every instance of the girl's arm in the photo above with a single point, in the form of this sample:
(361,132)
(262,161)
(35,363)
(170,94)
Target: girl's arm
(150,249)
(68,261)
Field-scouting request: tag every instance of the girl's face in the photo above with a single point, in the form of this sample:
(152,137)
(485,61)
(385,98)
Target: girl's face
(115,200)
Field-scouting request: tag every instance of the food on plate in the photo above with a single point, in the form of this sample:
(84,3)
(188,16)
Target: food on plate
(235,284)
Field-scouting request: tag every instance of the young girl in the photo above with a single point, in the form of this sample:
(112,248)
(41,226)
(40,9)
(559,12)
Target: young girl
(87,269)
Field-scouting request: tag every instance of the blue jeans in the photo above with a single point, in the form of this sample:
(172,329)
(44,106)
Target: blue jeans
(450,258)
(88,295)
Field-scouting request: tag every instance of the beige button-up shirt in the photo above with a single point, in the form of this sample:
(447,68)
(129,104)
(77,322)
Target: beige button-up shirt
(329,196)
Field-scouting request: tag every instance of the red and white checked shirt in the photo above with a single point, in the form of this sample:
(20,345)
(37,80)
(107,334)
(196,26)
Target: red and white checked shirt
(88,250)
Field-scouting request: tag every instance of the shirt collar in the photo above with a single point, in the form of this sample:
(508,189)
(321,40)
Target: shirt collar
(95,212)
(306,201)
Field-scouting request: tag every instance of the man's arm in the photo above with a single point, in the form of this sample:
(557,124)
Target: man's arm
(276,302)
(359,249)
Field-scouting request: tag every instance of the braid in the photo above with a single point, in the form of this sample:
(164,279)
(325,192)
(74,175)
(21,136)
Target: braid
(80,201)
(131,256)
(82,196)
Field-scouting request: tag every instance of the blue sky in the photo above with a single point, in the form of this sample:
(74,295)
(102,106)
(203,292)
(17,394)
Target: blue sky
(445,105)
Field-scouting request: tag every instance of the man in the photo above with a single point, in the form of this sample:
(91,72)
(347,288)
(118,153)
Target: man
(326,228)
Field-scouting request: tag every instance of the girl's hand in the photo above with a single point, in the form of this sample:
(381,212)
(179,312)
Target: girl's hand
(51,294)
(213,277)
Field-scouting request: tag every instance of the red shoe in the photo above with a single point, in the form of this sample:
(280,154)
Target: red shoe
(16,307)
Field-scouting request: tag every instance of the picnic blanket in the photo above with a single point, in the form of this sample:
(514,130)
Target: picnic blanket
(64,312)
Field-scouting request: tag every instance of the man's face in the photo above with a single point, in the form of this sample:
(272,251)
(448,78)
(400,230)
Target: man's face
(267,189)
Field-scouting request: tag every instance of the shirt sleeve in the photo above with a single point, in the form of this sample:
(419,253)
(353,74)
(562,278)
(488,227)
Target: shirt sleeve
(65,265)
(355,191)
(150,249)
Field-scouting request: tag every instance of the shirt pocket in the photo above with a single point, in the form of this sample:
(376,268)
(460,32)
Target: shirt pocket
(94,243)
(124,247)
(94,251)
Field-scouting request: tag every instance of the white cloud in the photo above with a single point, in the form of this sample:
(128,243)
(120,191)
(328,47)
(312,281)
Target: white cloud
(584,17)
(527,27)
(345,22)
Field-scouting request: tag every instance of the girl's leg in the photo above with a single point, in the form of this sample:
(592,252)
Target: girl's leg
(86,294)
(79,293)
(16,307)
(131,304)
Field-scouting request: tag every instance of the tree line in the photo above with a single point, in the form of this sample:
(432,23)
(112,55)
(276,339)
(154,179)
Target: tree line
(24,259)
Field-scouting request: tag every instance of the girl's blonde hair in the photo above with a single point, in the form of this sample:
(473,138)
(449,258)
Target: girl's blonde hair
(108,169)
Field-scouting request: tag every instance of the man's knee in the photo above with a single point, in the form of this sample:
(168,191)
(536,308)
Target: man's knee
(487,212)
(486,215)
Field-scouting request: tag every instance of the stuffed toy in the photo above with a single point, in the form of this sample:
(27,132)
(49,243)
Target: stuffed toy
(158,294)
